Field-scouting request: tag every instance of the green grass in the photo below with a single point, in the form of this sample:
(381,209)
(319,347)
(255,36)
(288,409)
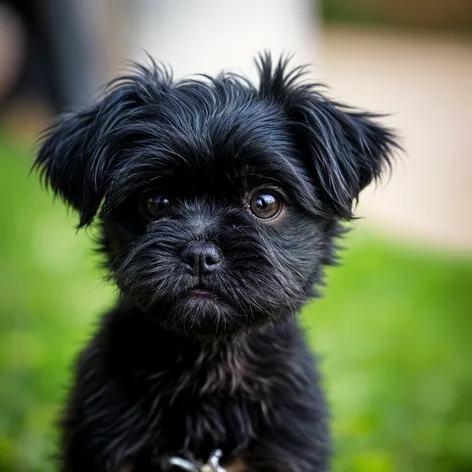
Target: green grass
(368,13)
(393,331)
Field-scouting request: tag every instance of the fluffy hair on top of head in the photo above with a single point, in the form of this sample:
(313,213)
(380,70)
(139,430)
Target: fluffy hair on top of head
(341,149)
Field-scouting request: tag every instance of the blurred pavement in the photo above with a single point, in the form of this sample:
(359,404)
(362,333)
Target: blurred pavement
(426,83)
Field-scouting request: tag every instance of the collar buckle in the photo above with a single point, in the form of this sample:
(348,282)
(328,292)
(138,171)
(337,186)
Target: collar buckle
(212,465)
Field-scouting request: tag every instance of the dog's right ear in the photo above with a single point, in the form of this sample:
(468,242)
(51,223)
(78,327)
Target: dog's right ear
(69,164)
(79,153)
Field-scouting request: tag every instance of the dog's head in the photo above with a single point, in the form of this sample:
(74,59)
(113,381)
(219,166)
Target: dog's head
(218,200)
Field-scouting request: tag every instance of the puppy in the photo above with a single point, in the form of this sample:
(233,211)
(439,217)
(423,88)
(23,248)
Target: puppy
(219,203)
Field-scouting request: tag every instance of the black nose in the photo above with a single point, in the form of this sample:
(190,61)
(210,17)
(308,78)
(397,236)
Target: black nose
(200,258)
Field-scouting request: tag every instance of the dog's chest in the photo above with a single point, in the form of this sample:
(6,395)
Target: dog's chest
(200,425)
(207,407)
(189,400)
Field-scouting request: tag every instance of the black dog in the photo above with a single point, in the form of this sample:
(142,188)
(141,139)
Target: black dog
(219,203)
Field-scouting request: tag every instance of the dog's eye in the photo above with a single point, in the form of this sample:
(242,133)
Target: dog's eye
(155,206)
(266,205)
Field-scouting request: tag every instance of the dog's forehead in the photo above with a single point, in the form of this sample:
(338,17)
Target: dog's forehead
(221,141)
(211,145)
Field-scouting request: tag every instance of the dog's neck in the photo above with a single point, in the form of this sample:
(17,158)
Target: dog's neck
(209,364)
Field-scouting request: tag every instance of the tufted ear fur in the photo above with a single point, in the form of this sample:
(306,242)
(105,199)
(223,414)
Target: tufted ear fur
(68,165)
(345,149)
(79,153)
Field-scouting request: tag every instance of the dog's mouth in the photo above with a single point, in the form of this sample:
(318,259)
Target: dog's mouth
(201,292)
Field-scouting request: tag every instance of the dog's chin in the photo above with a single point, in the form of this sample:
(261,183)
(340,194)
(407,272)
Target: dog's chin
(201,313)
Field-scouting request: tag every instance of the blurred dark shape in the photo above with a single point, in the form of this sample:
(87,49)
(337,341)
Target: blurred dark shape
(62,62)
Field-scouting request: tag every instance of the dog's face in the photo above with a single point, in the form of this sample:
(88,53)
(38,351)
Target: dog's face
(218,200)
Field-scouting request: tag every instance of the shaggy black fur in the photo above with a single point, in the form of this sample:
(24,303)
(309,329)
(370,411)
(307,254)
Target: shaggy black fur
(203,350)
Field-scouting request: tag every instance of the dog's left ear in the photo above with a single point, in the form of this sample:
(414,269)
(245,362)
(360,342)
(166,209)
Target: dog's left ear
(345,149)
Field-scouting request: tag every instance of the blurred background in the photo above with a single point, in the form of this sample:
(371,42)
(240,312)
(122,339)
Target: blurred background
(395,327)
